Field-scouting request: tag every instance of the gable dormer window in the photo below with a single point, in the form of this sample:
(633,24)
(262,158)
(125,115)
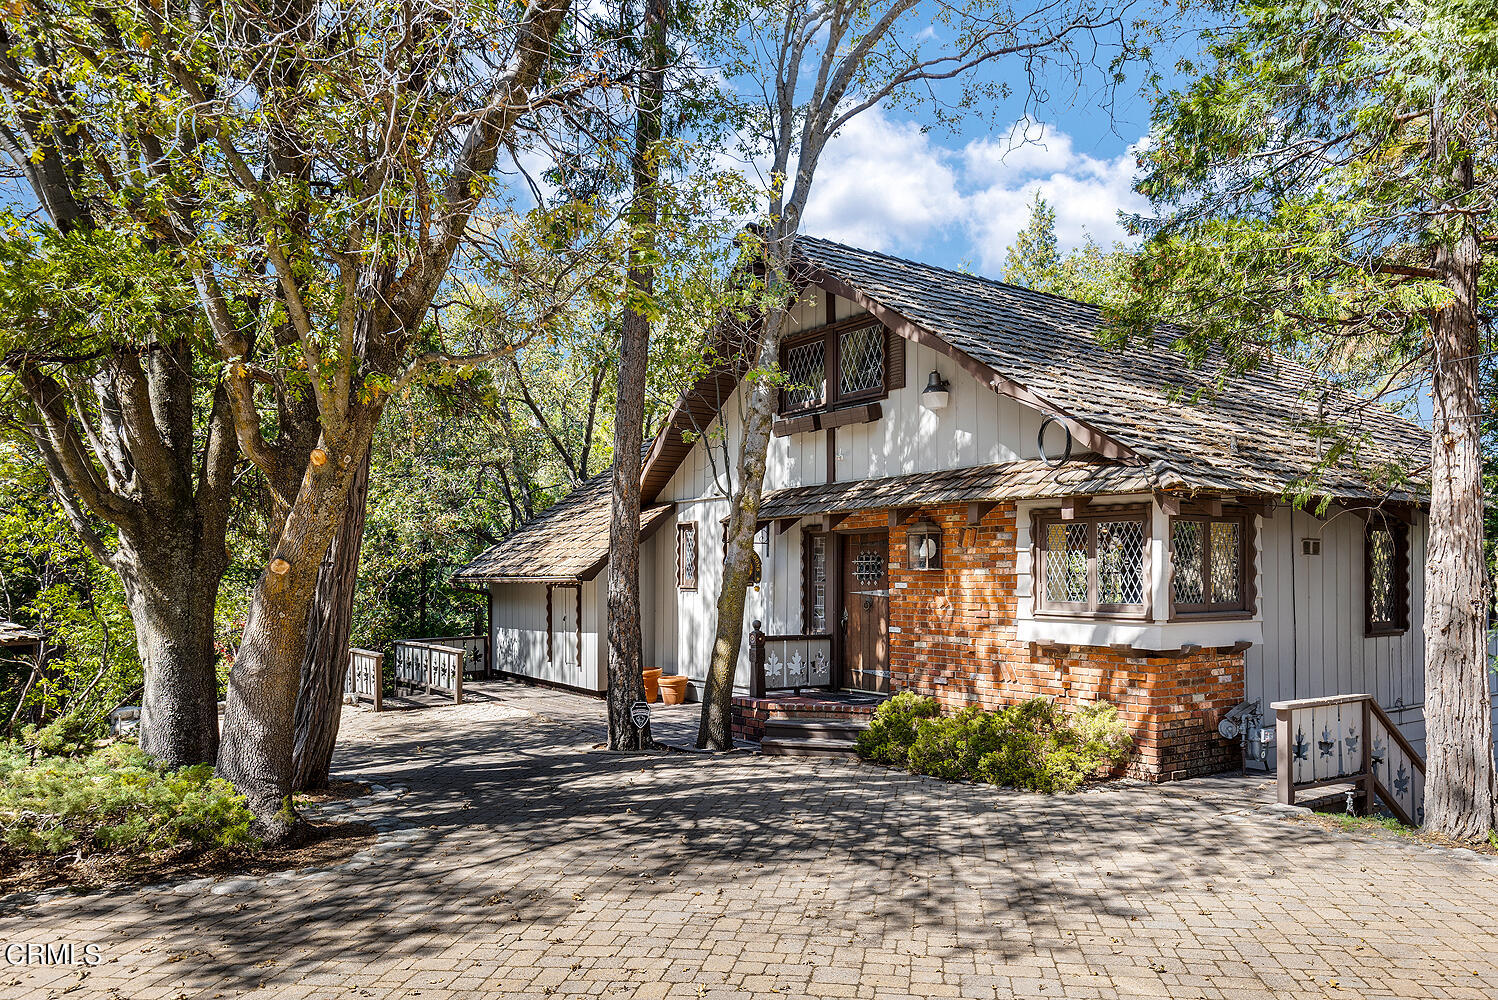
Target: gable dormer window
(842,363)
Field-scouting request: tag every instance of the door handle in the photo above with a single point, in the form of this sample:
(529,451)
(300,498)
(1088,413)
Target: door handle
(844,619)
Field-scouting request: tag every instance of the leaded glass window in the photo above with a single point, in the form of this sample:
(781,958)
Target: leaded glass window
(1066,563)
(806,375)
(816,584)
(860,356)
(1120,562)
(1386,576)
(1208,564)
(1092,564)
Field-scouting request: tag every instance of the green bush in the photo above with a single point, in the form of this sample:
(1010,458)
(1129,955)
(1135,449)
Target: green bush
(893,728)
(1032,744)
(114,799)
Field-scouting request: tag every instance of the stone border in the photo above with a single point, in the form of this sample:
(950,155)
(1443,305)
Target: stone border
(392,835)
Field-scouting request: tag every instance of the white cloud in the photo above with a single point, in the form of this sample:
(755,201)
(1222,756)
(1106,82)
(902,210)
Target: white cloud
(1086,192)
(882,184)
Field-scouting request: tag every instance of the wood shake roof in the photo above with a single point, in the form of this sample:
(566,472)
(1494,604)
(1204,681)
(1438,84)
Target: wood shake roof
(15,634)
(1009,481)
(567,542)
(1153,422)
(1251,437)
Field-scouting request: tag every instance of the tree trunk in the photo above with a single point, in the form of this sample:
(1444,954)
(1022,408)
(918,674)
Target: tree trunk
(715,731)
(171,587)
(1458,705)
(319,702)
(626,677)
(259,734)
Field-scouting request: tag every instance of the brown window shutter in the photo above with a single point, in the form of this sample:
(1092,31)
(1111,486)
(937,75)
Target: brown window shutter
(894,360)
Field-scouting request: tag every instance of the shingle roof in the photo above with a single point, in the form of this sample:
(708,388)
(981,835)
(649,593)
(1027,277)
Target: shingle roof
(1243,439)
(567,541)
(1009,481)
(14,634)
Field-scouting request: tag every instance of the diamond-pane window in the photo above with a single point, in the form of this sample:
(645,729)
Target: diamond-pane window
(1093,563)
(861,360)
(1187,585)
(1066,563)
(806,375)
(1386,583)
(1227,561)
(1120,562)
(1208,563)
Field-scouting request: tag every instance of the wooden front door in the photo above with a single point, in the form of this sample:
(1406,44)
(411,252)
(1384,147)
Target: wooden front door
(865,615)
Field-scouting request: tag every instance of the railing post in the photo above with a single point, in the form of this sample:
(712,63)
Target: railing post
(1367,761)
(756,661)
(379,680)
(458,681)
(1283,755)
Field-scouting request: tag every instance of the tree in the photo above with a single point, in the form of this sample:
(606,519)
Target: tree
(820,65)
(317,171)
(1326,189)
(103,370)
(1087,274)
(625,670)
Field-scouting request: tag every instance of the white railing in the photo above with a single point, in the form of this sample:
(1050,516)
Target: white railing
(788,662)
(427,666)
(1347,739)
(475,651)
(365,677)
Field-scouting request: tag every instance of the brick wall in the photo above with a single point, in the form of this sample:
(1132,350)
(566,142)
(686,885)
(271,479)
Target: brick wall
(953,636)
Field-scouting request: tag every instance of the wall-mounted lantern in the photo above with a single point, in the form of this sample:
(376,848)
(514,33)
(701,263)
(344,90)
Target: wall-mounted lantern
(924,545)
(936,393)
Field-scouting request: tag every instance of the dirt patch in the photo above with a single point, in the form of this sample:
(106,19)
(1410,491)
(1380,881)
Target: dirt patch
(337,791)
(327,844)
(1387,828)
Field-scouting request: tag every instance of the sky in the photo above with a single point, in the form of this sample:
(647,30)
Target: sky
(895,182)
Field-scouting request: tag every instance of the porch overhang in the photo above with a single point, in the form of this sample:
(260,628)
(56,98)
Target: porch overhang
(976,486)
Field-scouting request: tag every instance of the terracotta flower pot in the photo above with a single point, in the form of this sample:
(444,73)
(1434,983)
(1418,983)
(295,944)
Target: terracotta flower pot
(652,683)
(674,689)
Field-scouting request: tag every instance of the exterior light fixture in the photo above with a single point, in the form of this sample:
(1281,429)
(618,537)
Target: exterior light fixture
(934,396)
(923,543)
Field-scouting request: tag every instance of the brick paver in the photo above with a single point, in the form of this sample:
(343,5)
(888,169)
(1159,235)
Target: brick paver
(542,867)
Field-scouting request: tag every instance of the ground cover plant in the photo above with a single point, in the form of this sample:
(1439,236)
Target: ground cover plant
(114,797)
(86,813)
(1034,744)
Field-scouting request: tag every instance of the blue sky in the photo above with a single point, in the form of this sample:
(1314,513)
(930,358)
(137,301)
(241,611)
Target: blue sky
(956,196)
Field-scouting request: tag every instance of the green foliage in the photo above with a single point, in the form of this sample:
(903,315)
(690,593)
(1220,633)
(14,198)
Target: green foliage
(1303,184)
(50,582)
(1032,745)
(892,731)
(115,799)
(1088,273)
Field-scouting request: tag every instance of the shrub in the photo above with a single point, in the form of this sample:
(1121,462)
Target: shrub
(115,798)
(1032,744)
(893,728)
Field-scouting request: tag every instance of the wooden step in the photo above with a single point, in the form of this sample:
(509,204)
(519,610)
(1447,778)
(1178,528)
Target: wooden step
(808,747)
(799,729)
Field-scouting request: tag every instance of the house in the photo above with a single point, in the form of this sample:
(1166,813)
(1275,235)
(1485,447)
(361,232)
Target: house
(968,497)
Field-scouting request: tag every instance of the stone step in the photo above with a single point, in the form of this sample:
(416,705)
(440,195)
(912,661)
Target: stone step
(839,749)
(797,729)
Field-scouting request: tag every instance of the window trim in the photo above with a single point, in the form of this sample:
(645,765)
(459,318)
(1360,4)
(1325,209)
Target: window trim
(1040,520)
(831,334)
(1247,605)
(1399,531)
(683,528)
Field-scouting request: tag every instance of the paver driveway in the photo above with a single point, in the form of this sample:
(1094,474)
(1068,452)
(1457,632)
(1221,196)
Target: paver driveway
(541,868)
